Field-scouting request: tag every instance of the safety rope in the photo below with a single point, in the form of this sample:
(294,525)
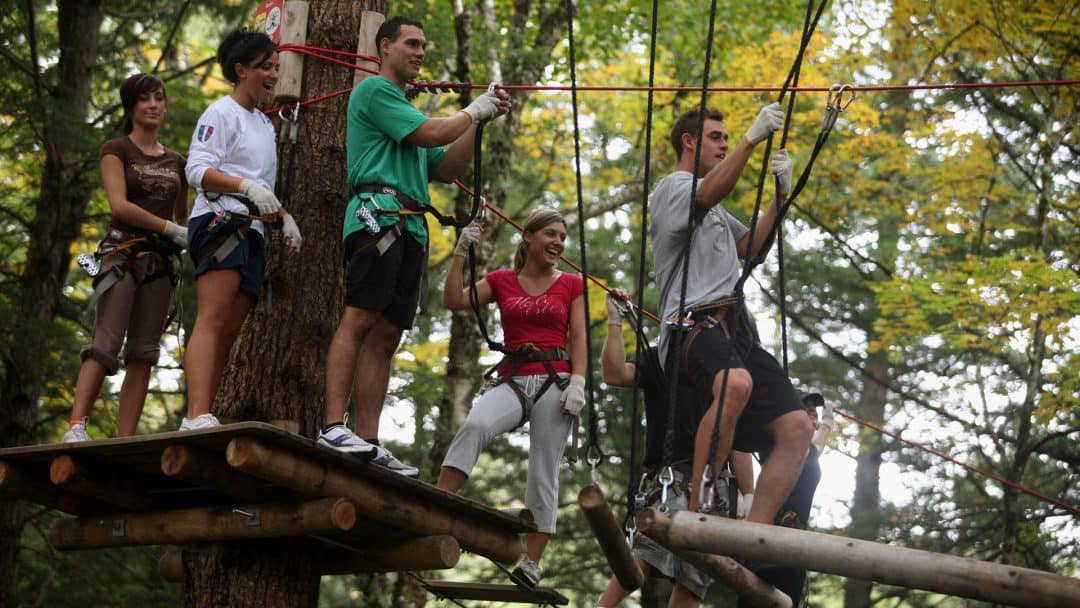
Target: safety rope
(638,322)
(593,453)
(676,340)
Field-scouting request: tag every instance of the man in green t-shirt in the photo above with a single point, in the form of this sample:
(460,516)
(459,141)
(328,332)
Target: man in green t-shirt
(394,150)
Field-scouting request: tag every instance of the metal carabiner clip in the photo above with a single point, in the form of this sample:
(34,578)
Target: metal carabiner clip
(836,96)
(593,458)
(666,477)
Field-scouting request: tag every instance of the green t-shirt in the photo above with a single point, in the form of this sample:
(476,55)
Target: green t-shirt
(379,119)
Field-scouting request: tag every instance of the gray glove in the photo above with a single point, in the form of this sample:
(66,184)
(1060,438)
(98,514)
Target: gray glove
(484,108)
(573,398)
(828,418)
(781,168)
(769,119)
(616,307)
(291,232)
(176,233)
(470,237)
(264,200)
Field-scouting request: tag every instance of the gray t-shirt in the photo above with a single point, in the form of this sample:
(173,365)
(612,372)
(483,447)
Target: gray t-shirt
(714,260)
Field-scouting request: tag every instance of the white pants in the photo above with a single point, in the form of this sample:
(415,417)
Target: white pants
(498,411)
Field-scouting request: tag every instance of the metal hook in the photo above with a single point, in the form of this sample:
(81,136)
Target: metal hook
(491,89)
(836,96)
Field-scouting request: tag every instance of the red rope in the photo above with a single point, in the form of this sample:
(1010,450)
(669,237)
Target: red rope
(1070,508)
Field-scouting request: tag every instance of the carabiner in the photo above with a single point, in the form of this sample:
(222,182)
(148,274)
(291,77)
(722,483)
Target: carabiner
(593,458)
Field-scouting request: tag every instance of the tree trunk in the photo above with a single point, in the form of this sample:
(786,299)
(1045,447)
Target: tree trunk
(65,192)
(865,507)
(277,367)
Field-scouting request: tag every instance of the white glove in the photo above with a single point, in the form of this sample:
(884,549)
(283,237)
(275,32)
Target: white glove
(828,417)
(291,232)
(615,307)
(485,107)
(469,237)
(746,501)
(573,398)
(769,119)
(264,200)
(176,233)
(781,168)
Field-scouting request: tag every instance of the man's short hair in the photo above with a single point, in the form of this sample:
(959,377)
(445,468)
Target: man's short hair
(391,28)
(690,123)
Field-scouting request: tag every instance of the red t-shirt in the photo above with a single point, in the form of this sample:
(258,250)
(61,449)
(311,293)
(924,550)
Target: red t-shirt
(542,320)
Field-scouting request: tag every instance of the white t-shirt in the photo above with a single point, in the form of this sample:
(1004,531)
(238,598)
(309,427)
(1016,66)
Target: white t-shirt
(234,141)
(714,258)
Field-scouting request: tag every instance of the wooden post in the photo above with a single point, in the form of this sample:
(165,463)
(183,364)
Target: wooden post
(612,540)
(293,31)
(170,566)
(200,468)
(425,553)
(730,573)
(370,22)
(380,502)
(205,524)
(68,474)
(911,568)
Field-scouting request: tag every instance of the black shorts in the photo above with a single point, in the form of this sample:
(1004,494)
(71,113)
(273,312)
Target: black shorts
(387,283)
(712,350)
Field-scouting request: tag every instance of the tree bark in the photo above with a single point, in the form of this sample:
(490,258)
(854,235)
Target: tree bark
(277,367)
(68,145)
(865,505)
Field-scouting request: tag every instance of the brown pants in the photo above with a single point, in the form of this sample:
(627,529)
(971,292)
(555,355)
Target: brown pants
(132,307)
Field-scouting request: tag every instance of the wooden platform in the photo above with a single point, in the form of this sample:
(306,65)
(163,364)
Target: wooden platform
(496,593)
(242,468)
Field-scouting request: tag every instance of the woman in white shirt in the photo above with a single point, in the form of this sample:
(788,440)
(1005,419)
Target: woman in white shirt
(233,165)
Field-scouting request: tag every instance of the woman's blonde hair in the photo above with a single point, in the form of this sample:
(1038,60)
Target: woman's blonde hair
(540,219)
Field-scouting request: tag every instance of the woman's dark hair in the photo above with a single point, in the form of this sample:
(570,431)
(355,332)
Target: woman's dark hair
(131,89)
(243,47)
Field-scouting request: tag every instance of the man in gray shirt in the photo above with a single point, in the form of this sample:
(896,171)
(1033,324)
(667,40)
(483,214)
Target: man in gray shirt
(720,354)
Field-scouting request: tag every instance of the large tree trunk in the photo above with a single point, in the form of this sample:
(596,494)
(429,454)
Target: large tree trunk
(277,368)
(65,192)
(865,507)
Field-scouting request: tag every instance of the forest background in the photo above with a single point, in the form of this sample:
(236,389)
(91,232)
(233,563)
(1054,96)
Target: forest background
(930,277)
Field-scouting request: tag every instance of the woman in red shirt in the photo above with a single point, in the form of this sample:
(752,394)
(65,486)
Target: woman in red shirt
(542,378)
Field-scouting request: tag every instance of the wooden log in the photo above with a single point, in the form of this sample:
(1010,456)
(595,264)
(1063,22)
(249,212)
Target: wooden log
(381,502)
(74,478)
(425,553)
(751,589)
(205,524)
(611,538)
(15,483)
(911,568)
(200,468)
(496,593)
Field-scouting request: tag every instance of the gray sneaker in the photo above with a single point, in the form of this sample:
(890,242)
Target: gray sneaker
(384,458)
(77,432)
(340,437)
(527,574)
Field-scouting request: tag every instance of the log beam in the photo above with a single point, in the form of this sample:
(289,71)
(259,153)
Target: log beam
(610,537)
(751,589)
(66,473)
(200,468)
(327,516)
(911,568)
(424,553)
(381,502)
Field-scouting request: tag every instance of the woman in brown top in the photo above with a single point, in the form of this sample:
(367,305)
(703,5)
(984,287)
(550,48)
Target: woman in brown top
(147,193)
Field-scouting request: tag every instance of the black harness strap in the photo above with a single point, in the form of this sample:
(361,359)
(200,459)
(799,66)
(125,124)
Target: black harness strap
(527,353)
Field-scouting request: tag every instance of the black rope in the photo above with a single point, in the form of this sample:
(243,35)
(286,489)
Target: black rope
(676,341)
(639,321)
(809,25)
(474,303)
(593,446)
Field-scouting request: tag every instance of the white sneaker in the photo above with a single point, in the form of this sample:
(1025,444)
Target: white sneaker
(384,458)
(205,421)
(77,432)
(340,437)
(527,574)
